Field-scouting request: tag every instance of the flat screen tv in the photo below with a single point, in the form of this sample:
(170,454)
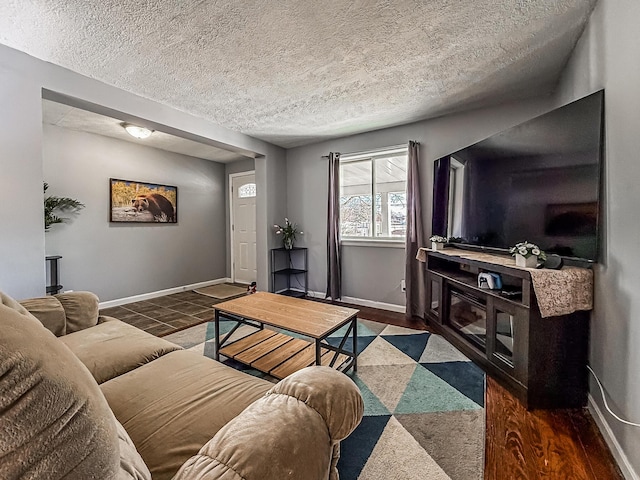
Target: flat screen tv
(538,181)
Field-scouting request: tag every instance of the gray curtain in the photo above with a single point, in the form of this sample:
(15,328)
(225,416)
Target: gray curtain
(334,264)
(414,270)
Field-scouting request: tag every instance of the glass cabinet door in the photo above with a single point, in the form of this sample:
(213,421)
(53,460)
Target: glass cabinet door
(467,314)
(503,347)
(434,297)
(507,336)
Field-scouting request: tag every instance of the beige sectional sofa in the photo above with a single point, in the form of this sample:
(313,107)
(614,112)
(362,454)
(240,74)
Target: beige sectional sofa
(106,400)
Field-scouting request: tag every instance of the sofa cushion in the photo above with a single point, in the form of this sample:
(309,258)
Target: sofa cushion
(172,406)
(291,432)
(14,305)
(55,421)
(114,347)
(49,311)
(80,308)
(131,464)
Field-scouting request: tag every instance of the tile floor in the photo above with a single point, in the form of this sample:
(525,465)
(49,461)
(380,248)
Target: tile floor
(168,314)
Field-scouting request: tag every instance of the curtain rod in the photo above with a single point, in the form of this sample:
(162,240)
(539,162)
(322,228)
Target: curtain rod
(372,152)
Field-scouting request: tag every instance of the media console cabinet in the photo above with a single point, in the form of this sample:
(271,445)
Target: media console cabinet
(542,361)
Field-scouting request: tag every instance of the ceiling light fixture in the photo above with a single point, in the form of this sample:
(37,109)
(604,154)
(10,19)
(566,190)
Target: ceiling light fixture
(138,132)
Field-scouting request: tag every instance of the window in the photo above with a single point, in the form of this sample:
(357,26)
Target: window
(373,195)
(247,190)
(456,191)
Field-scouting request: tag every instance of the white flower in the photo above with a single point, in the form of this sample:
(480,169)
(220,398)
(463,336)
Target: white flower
(527,249)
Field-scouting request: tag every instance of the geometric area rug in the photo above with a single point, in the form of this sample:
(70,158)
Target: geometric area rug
(424,414)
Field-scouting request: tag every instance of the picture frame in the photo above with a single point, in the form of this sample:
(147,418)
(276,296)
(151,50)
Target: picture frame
(132,201)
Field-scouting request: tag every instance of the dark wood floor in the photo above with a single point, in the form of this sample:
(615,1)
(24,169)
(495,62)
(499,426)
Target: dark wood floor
(168,314)
(520,444)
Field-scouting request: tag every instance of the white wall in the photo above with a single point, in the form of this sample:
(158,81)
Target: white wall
(608,56)
(22,241)
(374,273)
(117,260)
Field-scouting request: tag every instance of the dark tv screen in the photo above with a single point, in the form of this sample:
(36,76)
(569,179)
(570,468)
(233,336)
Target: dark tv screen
(538,181)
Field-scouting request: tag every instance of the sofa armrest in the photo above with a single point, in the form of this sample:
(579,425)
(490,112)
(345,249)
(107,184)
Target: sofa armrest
(81,310)
(64,313)
(291,432)
(49,311)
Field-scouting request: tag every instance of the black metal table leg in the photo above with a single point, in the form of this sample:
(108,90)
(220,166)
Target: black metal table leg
(318,355)
(216,336)
(355,344)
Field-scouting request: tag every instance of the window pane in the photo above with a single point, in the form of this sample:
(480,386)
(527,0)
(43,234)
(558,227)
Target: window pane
(355,199)
(373,196)
(247,190)
(380,224)
(397,214)
(390,189)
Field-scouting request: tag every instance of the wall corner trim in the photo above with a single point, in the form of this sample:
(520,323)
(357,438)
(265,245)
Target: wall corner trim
(147,296)
(623,462)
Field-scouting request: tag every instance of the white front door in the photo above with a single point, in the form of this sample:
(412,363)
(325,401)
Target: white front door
(243,227)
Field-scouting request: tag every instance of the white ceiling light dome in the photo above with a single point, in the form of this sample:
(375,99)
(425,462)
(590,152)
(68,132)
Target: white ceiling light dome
(136,131)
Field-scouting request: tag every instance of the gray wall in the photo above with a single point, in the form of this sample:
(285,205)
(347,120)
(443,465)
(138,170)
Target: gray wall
(22,269)
(272,207)
(374,273)
(22,240)
(245,165)
(608,56)
(117,260)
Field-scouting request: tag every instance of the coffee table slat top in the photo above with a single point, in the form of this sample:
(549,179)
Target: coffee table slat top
(306,317)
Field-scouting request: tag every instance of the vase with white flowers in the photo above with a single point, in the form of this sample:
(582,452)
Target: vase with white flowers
(527,254)
(437,242)
(288,231)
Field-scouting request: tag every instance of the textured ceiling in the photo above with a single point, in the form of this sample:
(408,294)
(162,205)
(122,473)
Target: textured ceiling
(54,113)
(295,72)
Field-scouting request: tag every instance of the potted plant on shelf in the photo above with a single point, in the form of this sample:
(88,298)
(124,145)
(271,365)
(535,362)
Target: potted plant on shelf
(437,242)
(527,254)
(288,232)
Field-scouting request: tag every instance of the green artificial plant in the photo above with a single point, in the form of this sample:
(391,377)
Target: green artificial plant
(54,204)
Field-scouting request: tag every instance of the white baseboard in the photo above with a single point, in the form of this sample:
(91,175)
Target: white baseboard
(623,462)
(366,303)
(160,293)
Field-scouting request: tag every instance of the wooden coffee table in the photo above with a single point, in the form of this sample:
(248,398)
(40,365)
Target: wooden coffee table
(272,350)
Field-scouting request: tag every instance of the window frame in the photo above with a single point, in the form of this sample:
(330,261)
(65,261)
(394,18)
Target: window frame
(371,156)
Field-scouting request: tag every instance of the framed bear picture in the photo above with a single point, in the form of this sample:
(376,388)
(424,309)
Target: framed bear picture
(142,202)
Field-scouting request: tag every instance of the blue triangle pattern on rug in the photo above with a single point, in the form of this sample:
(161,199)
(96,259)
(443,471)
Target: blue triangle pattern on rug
(411,345)
(466,377)
(446,391)
(372,406)
(442,388)
(225,327)
(363,331)
(427,392)
(356,449)
(363,343)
